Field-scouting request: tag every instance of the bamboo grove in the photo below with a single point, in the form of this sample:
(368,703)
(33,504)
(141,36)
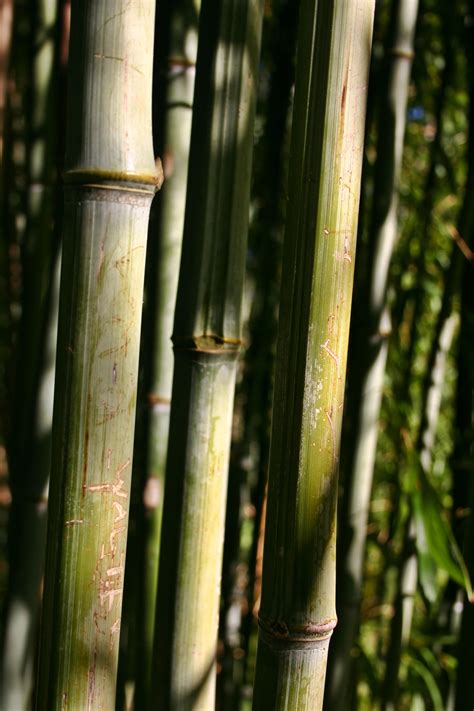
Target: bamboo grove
(236,355)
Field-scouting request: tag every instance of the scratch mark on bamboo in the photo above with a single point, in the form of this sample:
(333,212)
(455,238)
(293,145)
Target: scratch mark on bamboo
(347,255)
(113,631)
(112,542)
(74,521)
(116,569)
(325,347)
(91,681)
(121,264)
(121,513)
(117,14)
(99,487)
(117,488)
(110,413)
(107,593)
(116,349)
(98,55)
(333,433)
(86,460)
(136,69)
(96,622)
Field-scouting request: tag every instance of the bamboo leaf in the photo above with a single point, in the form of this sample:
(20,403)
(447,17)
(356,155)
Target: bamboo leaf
(435,540)
(429,680)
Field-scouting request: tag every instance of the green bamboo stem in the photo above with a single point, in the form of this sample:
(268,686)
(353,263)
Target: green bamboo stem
(372,348)
(176,119)
(110,181)
(248,484)
(206,339)
(297,613)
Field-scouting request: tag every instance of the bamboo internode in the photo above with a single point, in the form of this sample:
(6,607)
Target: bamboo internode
(206,339)
(297,612)
(110,180)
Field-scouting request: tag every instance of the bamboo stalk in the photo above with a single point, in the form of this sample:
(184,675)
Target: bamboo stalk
(297,613)
(247,483)
(175,122)
(110,181)
(206,339)
(371,347)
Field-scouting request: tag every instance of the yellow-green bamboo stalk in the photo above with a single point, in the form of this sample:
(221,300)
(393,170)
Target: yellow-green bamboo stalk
(297,613)
(372,347)
(206,339)
(110,181)
(170,207)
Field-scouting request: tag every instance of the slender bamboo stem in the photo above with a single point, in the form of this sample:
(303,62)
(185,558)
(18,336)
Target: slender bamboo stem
(110,181)
(175,122)
(297,613)
(206,339)
(265,245)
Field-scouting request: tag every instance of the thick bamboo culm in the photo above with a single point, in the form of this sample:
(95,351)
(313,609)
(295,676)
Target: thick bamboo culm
(110,181)
(206,339)
(371,346)
(297,613)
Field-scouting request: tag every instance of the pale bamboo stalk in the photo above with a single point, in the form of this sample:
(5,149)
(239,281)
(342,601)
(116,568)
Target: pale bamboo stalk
(206,339)
(110,181)
(297,613)
(372,349)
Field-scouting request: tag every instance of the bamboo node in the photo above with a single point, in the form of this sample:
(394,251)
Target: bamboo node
(158,401)
(278,633)
(401,53)
(146,183)
(207,343)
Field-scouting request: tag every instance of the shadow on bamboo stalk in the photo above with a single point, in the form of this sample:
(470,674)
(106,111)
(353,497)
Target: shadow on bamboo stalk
(249,455)
(173,83)
(206,340)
